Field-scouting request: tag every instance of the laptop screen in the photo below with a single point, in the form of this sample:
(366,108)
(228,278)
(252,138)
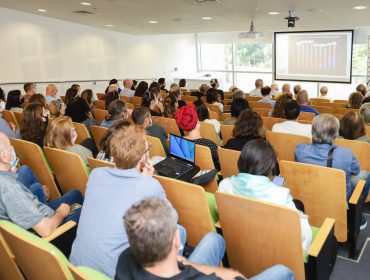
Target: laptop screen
(182,148)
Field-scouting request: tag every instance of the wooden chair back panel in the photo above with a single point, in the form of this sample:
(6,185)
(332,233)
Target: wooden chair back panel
(213,115)
(82,132)
(157,147)
(99,114)
(9,268)
(225,116)
(256,235)
(228,101)
(98,133)
(130,106)
(32,155)
(322,191)
(306,116)
(63,98)
(226,132)
(284,143)
(189,98)
(227,107)
(136,100)
(170,126)
(228,162)
(252,98)
(268,122)
(360,149)
(324,110)
(69,169)
(263,112)
(125,98)
(216,109)
(9,117)
(99,104)
(96,163)
(343,111)
(19,118)
(319,100)
(191,204)
(367,129)
(35,261)
(203,158)
(101,95)
(257,104)
(341,101)
(208,131)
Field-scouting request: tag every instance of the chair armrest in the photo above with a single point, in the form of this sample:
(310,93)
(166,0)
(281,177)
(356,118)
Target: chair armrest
(321,237)
(322,253)
(355,197)
(60,231)
(218,225)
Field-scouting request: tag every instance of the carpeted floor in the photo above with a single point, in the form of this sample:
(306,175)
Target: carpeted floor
(359,269)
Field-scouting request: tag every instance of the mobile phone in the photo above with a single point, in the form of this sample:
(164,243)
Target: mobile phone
(74,207)
(278,180)
(14,163)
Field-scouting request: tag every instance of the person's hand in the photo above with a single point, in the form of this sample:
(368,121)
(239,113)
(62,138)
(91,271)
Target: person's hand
(129,111)
(12,126)
(63,210)
(147,168)
(160,106)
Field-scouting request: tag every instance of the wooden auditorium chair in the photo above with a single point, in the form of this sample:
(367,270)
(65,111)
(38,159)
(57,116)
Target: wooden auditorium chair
(226,133)
(82,132)
(96,163)
(98,133)
(157,148)
(268,122)
(208,131)
(99,114)
(228,161)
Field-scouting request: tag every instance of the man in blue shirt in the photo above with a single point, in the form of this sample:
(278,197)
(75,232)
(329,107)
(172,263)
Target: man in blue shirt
(303,100)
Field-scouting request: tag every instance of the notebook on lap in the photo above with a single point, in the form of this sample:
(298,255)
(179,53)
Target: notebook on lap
(181,162)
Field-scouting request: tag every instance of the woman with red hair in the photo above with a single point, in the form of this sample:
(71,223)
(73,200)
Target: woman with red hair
(187,120)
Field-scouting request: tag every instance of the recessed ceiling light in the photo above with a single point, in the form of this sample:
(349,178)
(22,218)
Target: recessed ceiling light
(359,7)
(274,13)
(109,25)
(41,10)
(153,21)
(86,3)
(206,18)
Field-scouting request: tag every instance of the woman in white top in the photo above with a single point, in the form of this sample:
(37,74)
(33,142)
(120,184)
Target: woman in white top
(203,116)
(212,97)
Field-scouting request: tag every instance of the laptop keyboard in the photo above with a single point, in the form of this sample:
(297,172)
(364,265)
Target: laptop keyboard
(176,165)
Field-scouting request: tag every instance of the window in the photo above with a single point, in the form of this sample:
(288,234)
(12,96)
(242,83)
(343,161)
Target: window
(216,56)
(253,57)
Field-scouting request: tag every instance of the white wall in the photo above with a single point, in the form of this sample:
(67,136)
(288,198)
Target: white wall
(38,48)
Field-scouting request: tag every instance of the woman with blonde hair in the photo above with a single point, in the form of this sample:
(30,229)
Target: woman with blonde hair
(61,134)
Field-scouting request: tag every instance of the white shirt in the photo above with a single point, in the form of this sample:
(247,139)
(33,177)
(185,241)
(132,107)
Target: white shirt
(255,92)
(128,92)
(293,127)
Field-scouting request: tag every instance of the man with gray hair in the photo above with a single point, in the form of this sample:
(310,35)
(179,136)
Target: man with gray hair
(325,129)
(303,100)
(127,91)
(285,89)
(257,91)
(50,96)
(154,241)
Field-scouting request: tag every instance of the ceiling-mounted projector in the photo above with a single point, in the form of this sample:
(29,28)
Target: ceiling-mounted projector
(291,20)
(252,33)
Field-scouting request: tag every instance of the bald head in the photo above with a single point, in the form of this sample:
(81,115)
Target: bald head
(285,88)
(127,83)
(324,91)
(112,88)
(51,90)
(274,87)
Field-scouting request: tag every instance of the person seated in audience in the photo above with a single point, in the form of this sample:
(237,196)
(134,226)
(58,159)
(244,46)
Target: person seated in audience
(2,100)
(177,94)
(187,120)
(34,123)
(212,97)
(162,84)
(127,88)
(77,88)
(153,100)
(170,106)
(154,85)
(285,89)
(274,89)
(61,134)
(256,165)
(352,127)
(142,118)
(117,111)
(233,89)
(203,116)
(324,93)
(257,91)
(366,100)
(202,91)
(110,192)
(362,89)
(174,87)
(51,96)
(215,85)
(104,153)
(182,84)
(21,207)
(141,88)
(113,82)
(291,125)
(355,100)
(279,109)
(9,129)
(237,107)
(325,129)
(87,95)
(110,97)
(296,89)
(14,101)
(248,127)
(157,257)
(70,97)
(238,94)
(303,100)
(365,113)
(29,89)
(39,98)
(79,110)
(134,85)
(266,96)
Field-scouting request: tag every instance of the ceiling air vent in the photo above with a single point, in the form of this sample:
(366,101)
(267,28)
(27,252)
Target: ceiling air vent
(198,2)
(83,12)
